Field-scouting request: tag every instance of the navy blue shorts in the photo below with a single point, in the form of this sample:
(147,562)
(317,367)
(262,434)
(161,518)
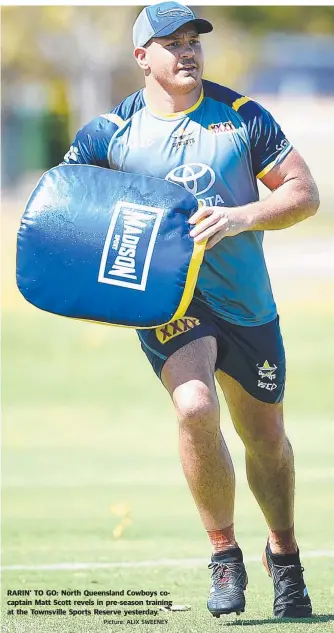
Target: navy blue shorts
(252,355)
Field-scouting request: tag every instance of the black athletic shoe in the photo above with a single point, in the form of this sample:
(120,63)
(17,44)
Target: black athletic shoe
(291,599)
(229,581)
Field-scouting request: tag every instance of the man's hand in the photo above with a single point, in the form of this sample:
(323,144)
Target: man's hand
(214,223)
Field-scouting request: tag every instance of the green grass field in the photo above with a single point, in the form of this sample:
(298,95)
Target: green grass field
(88,429)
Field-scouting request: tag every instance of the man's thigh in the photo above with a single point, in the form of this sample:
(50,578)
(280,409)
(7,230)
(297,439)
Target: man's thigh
(162,343)
(191,370)
(255,358)
(255,421)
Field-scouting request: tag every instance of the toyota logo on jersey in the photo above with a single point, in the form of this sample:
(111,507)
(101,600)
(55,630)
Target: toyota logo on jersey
(195,177)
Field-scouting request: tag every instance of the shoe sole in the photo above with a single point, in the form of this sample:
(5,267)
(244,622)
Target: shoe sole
(217,614)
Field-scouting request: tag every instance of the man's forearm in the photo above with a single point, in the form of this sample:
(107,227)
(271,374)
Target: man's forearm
(292,202)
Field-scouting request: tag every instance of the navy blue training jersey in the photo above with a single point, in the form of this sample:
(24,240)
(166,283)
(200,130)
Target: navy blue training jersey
(216,150)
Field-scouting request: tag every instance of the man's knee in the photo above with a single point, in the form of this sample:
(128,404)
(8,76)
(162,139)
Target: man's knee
(196,405)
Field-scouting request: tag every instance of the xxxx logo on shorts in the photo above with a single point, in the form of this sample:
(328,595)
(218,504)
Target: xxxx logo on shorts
(180,326)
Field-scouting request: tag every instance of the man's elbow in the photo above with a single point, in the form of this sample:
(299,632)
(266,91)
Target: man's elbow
(312,198)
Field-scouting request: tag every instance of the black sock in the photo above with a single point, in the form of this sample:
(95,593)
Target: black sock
(230,555)
(284,559)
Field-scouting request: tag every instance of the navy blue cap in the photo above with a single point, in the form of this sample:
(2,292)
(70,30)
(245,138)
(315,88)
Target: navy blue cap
(159,20)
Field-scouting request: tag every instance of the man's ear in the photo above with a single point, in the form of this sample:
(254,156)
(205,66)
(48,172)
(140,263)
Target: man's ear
(140,54)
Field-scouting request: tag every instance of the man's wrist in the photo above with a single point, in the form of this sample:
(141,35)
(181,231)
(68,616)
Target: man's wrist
(248,216)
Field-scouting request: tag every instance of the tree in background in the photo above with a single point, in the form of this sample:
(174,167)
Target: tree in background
(259,20)
(62,65)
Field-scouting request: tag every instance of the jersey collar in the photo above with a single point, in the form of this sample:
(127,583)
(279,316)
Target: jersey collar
(174,115)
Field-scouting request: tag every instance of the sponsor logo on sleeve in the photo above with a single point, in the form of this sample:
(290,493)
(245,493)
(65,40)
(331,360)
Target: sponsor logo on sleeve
(72,154)
(221,127)
(283,144)
(180,326)
(129,245)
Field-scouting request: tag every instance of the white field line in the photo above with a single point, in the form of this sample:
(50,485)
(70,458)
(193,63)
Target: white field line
(163,562)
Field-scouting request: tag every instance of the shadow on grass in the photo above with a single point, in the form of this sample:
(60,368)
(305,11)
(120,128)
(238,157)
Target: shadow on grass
(314,620)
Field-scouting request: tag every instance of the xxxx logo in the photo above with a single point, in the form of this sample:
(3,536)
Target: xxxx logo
(222,126)
(180,326)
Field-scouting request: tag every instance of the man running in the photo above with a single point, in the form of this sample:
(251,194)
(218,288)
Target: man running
(216,143)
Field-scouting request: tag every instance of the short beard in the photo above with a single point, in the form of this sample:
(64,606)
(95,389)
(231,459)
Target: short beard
(178,87)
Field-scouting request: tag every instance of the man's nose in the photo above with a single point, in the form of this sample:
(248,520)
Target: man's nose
(187,51)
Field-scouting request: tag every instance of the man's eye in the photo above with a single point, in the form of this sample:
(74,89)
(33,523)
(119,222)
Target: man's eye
(194,42)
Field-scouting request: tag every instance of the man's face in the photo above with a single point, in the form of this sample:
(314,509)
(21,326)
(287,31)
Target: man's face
(176,61)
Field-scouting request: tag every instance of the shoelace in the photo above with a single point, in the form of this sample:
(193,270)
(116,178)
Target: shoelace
(222,572)
(289,570)
(292,575)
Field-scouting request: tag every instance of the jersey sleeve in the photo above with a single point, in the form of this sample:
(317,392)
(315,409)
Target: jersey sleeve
(269,145)
(91,143)
(90,146)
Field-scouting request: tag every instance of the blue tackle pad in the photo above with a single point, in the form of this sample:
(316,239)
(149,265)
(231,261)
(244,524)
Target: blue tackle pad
(108,246)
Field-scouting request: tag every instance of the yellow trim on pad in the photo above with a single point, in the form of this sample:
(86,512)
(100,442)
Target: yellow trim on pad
(188,291)
(240,102)
(189,288)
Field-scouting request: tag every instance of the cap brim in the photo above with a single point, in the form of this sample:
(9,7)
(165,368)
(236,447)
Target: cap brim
(203,26)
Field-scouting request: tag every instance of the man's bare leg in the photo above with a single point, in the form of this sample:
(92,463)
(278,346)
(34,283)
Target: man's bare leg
(189,377)
(269,460)
(270,473)
(204,455)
